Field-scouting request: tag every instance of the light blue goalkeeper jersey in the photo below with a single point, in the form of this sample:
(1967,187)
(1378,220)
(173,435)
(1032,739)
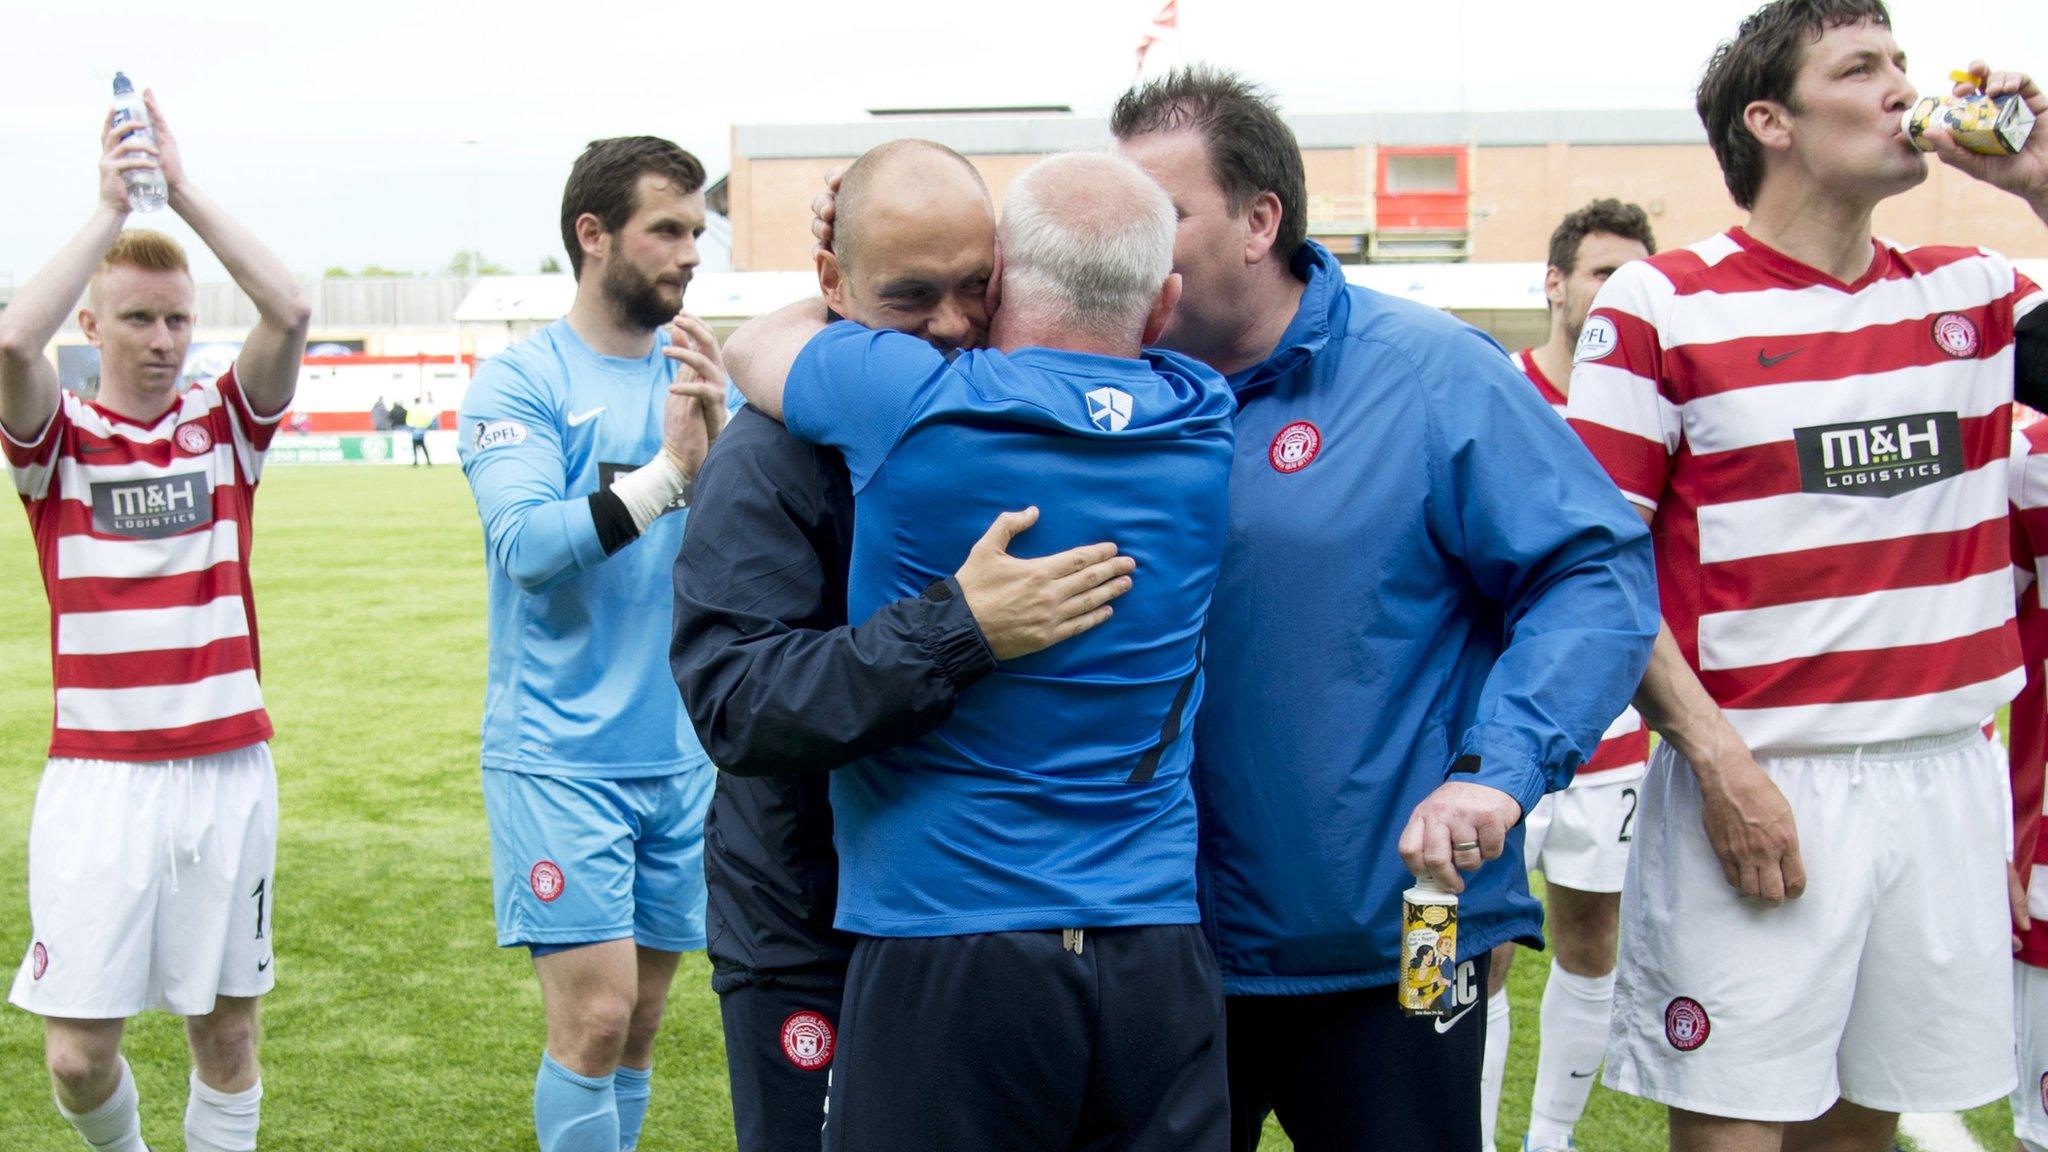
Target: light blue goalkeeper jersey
(579,682)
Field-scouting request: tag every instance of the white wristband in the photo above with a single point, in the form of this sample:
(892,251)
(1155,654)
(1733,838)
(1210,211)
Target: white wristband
(652,489)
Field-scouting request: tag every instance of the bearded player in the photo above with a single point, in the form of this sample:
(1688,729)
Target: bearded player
(1577,838)
(152,847)
(579,444)
(1816,424)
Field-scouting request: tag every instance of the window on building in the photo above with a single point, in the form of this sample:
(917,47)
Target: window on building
(1421,174)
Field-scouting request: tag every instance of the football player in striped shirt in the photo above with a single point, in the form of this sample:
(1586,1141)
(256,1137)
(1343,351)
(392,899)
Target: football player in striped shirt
(1578,838)
(1816,423)
(155,829)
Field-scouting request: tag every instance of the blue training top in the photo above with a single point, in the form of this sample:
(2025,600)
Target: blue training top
(1057,795)
(579,682)
(1428,578)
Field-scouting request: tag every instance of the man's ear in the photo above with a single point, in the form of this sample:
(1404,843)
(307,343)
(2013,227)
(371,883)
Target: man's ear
(90,325)
(1770,122)
(592,238)
(1553,286)
(1262,226)
(1162,309)
(832,283)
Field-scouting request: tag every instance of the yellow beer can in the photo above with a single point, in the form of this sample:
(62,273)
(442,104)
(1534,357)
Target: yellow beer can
(1429,948)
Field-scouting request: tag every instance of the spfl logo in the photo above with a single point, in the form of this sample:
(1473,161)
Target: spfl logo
(1110,409)
(487,434)
(1596,340)
(152,508)
(1880,457)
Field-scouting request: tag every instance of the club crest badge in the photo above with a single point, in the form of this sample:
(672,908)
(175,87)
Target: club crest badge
(1295,447)
(1686,1024)
(40,961)
(194,439)
(547,881)
(807,1040)
(1956,334)
(1109,409)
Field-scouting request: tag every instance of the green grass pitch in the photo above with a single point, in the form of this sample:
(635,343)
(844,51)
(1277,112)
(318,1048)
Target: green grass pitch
(397,1024)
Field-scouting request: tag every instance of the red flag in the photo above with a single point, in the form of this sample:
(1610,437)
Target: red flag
(1163,24)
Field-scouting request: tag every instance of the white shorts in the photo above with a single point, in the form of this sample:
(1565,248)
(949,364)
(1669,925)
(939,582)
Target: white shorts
(1579,838)
(1886,984)
(150,885)
(2030,1028)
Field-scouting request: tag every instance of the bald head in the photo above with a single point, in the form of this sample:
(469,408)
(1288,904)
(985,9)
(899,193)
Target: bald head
(895,185)
(913,244)
(1087,242)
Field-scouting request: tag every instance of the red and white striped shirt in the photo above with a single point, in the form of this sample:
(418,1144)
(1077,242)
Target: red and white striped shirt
(1552,395)
(142,532)
(1827,467)
(1624,750)
(2028,746)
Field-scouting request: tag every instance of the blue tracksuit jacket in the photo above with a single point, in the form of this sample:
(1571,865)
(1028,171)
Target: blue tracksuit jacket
(1424,565)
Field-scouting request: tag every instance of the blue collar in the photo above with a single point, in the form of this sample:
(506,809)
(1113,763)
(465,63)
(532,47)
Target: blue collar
(1310,329)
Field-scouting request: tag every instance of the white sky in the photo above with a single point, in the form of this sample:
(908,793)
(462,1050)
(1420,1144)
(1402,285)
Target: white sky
(334,130)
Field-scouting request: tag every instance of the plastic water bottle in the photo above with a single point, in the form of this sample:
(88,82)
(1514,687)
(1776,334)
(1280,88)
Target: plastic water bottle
(146,190)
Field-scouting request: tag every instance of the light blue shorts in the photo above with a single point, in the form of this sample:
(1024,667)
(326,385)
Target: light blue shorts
(580,861)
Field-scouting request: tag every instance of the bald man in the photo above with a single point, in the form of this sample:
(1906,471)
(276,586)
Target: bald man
(782,690)
(1030,972)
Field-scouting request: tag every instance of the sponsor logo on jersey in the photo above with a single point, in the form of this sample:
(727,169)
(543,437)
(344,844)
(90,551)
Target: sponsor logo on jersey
(1880,457)
(40,962)
(193,439)
(1956,334)
(807,1040)
(1596,340)
(496,434)
(1686,1024)
(547,881)
(1110,409)
(1295,447)
(152,507)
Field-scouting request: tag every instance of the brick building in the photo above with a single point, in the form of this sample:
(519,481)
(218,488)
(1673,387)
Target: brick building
(1383,187)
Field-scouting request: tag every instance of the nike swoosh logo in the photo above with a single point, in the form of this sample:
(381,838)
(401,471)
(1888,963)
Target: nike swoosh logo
(1446,1023)
(263,966)
(578,419)
(1582,1075)
(1763,361)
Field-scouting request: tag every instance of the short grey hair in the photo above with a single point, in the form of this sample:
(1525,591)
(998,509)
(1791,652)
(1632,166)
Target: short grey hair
(1087,241)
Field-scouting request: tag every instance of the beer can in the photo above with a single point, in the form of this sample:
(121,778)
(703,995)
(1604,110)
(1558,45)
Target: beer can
(1429,948)
(1986,125)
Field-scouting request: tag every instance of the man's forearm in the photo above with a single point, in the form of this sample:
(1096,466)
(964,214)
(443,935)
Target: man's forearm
(1676,706)
(268,367)
(767,698)
(255,268)
(760,355)
(28,390)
